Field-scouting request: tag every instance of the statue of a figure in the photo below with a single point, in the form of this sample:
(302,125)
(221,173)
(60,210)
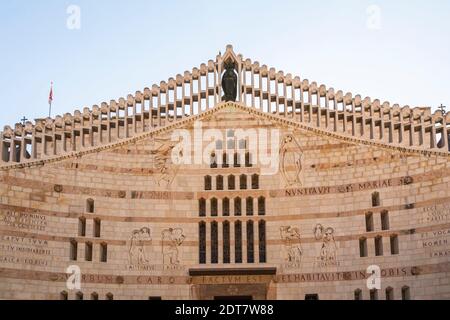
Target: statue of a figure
(229,82)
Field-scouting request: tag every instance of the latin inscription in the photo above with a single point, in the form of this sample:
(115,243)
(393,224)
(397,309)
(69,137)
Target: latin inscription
(20,220)
(436,213)
(340,189)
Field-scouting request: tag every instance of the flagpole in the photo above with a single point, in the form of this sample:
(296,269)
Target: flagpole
(50,99)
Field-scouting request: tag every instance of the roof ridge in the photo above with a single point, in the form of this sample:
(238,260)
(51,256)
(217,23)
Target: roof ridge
(219,107)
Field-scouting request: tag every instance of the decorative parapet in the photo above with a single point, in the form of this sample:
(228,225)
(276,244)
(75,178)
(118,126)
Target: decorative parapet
(198,91)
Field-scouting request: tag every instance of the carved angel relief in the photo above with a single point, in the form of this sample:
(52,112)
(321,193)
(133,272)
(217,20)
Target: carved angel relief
(163,153)
(171,240)
(291,157)
(328,250)
(291,238)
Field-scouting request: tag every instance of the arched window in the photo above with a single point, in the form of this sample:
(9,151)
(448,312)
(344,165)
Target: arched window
(394,244)
(369,222)
(379,246)
(231,182)
(63,295)
(243,182)
(88,251)
(109,296)
(82,226)
(389,293)
(208,183)
(374,294)
(214,242)
(237,207)
(94,296)
(214,207)
(261,206)
(226,242)
(202,242)
(202,207)
(238,242)
(255,182)
(97,227)
(406,293)
(249,206)
(79,295)
(250,242)
(363,247)
(358,294)
(384,220)
(375,199)
(226,207)
(262,241)
(219,182)
(73,250)
(213,161)
(90,207)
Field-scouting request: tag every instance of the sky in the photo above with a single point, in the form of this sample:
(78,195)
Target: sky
(396,50)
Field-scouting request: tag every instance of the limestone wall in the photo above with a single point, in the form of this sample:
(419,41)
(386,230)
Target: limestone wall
(148,209)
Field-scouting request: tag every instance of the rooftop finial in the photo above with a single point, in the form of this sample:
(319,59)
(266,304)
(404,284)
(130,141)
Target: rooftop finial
(442,108)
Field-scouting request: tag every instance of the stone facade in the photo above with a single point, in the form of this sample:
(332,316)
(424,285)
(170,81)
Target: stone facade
(139,225)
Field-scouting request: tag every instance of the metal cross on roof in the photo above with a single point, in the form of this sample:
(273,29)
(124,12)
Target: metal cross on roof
(24,120)
(442,108)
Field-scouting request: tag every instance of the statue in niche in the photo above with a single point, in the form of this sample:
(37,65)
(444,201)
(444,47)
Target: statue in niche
(291,237)
(171,240)
(229,82)
(137,252)
(291,161)
(328,249)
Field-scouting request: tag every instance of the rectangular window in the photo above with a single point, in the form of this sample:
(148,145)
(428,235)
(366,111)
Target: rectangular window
(385,220)
(97,228)
(214,243)
(73,250)
(363,247)
(103,252)
(394,244)
(378,246)
(262,241)
(226,242)
(88,251)
(202,242)
(369,222)
(250,243)
(82,227)
(238,242)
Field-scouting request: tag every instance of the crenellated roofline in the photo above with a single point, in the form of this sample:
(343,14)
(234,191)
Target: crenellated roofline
(193,93)
(187,122)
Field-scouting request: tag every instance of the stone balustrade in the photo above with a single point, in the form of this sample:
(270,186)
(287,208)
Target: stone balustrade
(194,92)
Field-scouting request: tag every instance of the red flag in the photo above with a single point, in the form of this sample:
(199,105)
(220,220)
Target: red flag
(50,96)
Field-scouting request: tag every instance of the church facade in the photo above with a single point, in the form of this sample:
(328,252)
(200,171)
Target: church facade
(230,181)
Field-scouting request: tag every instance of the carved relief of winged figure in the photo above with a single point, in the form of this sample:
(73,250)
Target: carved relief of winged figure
(162,156)
(291,157)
